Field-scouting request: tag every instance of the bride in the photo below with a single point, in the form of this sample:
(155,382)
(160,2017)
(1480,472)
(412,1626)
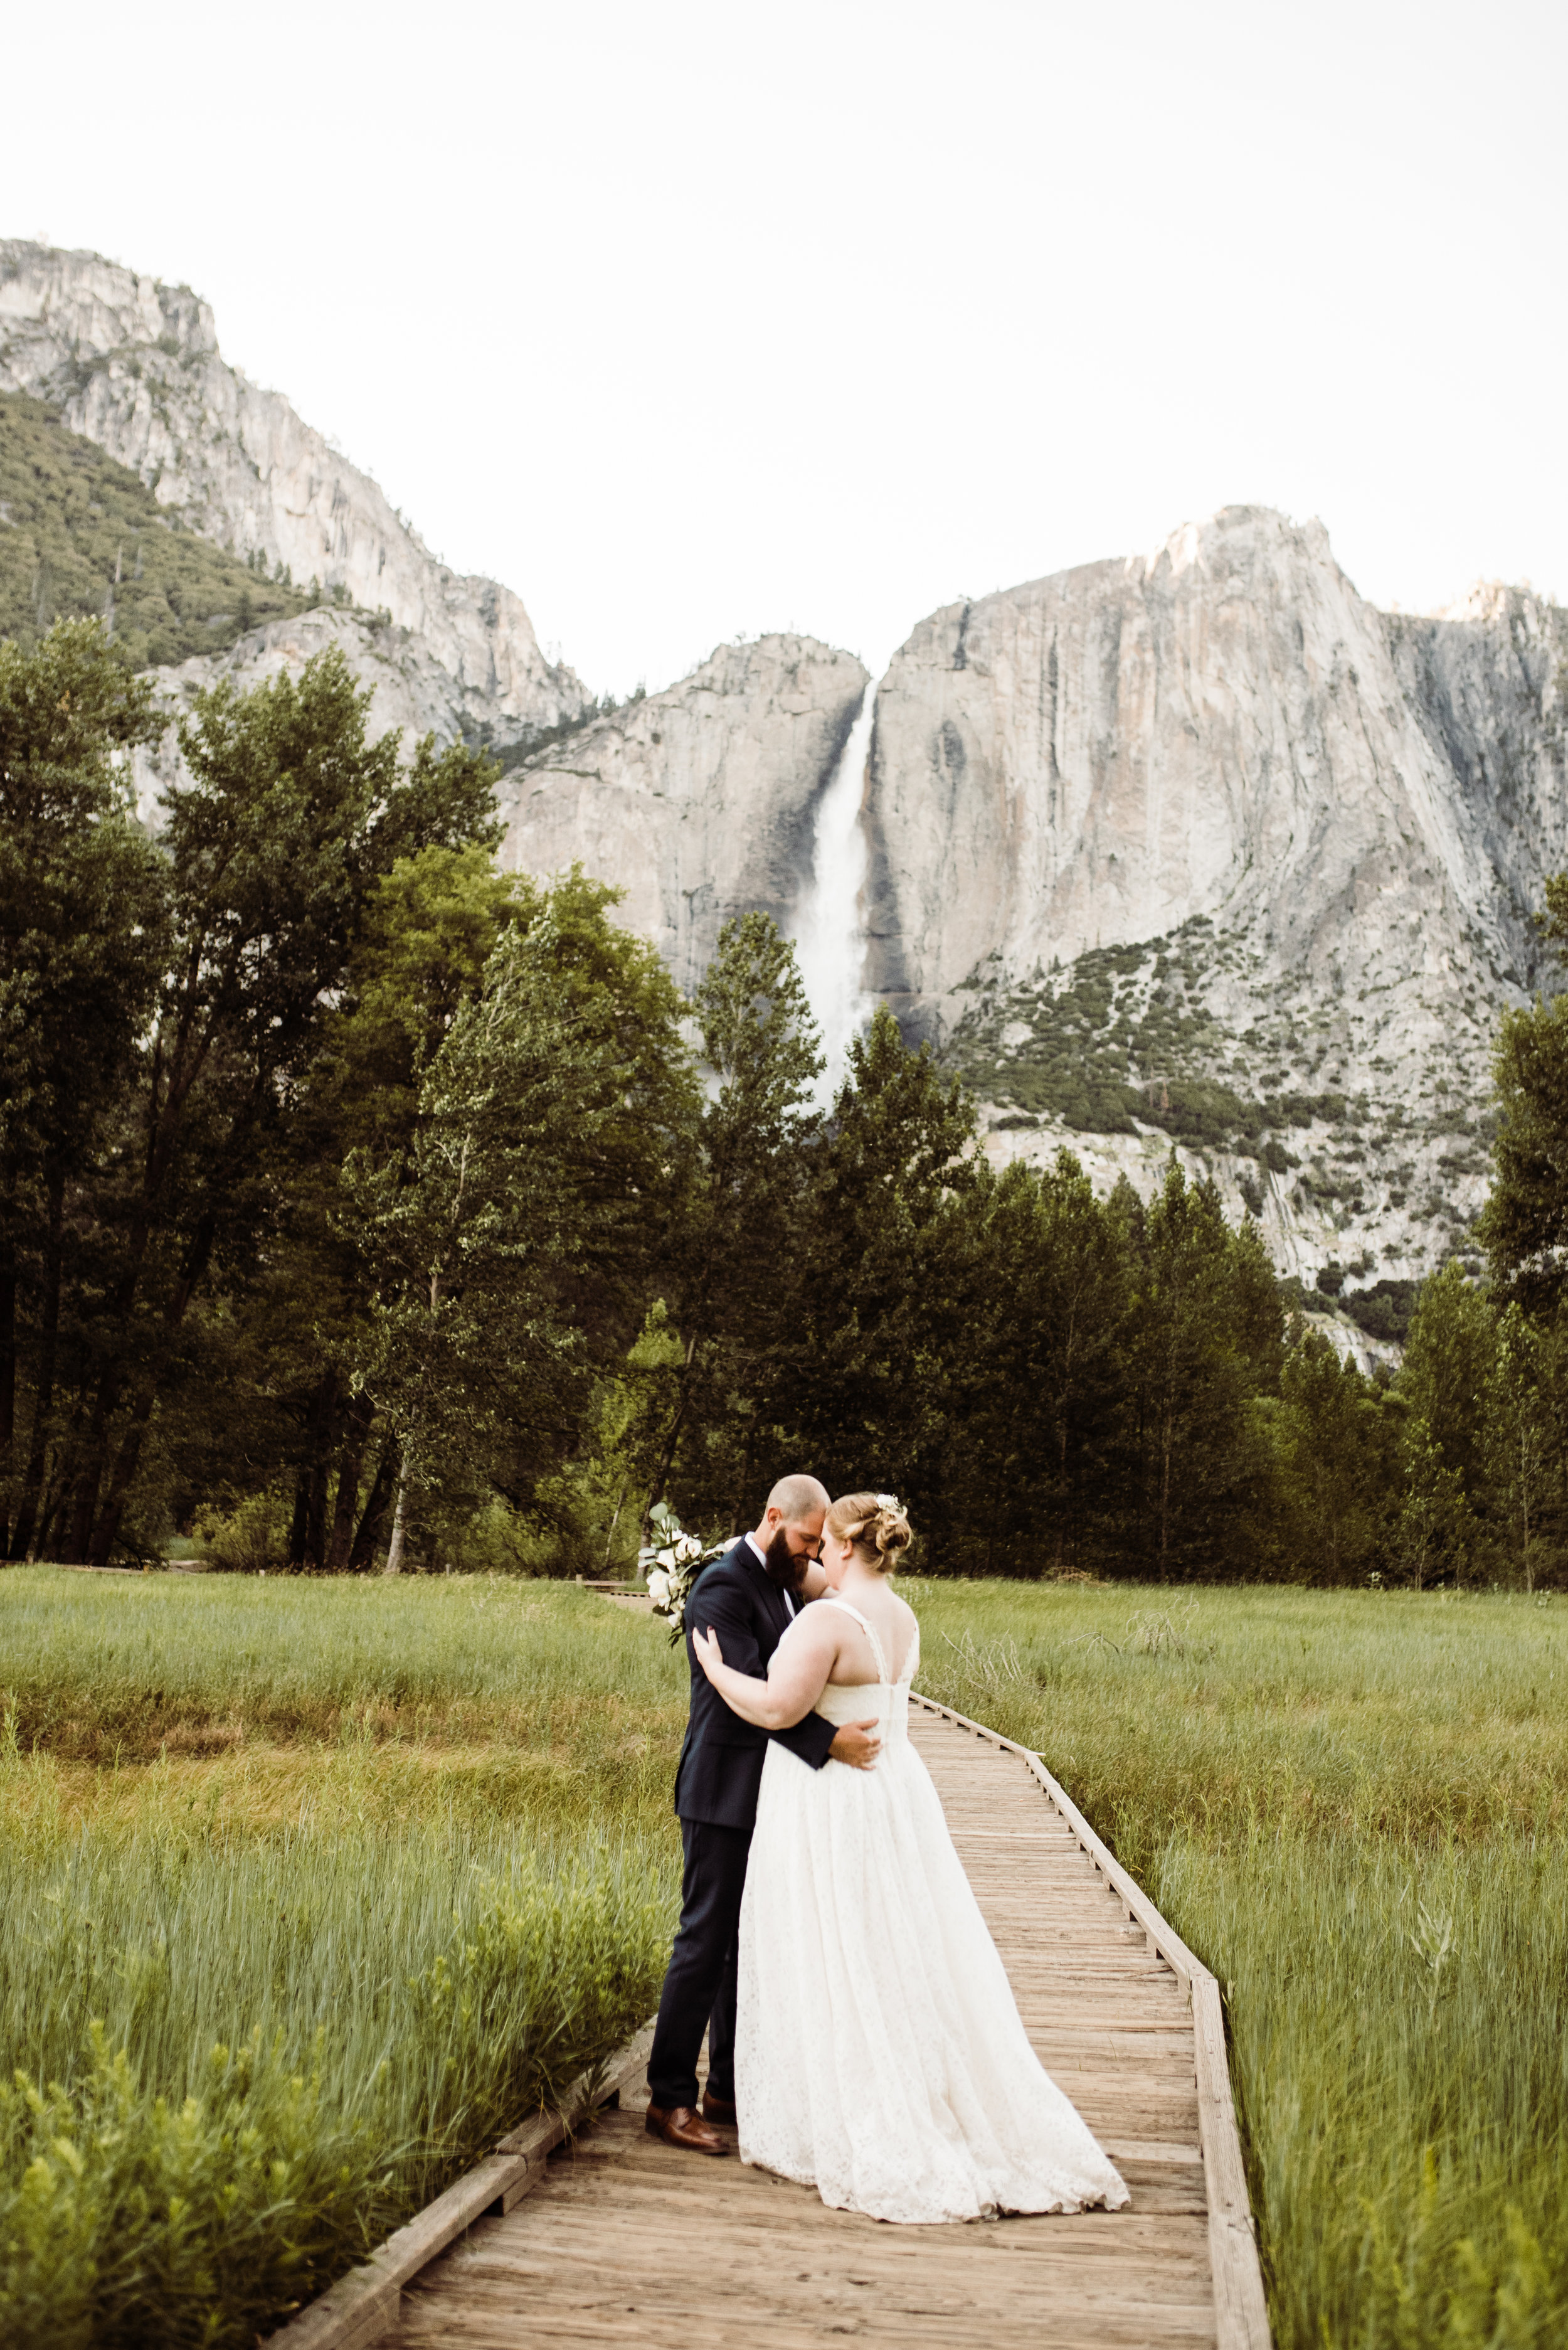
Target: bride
(879,2056)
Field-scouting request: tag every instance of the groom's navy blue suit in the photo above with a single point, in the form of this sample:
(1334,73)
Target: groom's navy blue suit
(716,1786)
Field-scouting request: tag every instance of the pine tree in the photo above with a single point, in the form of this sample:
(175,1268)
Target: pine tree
(1335,1439)
(735,1277)
(1202,1339)
(1449,1360)
(1521,1439)
(887,1287)
(1035,1479)
(288,818)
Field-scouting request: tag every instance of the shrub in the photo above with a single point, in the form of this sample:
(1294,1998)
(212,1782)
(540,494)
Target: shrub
(303,2043)
(1383,1311)
(1196,1110)
(247,1539)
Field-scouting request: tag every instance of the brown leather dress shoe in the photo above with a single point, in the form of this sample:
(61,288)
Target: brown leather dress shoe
(718,2109)
(679,2125)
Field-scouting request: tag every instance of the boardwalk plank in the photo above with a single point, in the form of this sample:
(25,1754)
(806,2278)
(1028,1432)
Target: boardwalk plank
(621,2240)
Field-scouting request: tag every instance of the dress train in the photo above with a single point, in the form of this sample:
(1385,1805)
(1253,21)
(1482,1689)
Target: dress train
(879,2052)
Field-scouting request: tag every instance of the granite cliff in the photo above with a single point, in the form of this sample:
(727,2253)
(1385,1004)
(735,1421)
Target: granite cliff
(1194,851)
(409,689)
(699,800)
(134,365)
(1201,848)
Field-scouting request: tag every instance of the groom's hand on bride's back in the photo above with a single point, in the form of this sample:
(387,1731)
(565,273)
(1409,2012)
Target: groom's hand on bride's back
(858,1744)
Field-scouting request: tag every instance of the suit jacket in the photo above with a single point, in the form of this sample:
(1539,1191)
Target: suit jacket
(721,1767)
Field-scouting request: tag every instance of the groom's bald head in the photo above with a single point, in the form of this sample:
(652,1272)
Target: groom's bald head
(789,1535)
(798,1499)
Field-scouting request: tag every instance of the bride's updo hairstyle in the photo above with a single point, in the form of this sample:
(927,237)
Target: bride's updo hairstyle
(876,1524)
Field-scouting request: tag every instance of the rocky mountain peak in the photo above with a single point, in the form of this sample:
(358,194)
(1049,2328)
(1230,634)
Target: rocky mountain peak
(1200,846)
(135,366)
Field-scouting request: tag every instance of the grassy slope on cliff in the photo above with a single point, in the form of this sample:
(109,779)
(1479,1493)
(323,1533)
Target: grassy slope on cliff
(80,537)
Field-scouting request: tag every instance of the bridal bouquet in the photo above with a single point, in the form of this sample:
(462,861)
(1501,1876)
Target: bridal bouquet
(672,1561)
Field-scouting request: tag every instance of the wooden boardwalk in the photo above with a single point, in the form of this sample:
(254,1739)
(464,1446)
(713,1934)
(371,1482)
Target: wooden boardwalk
(625,2241)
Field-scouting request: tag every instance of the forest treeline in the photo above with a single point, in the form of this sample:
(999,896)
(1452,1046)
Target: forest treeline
(362,1205)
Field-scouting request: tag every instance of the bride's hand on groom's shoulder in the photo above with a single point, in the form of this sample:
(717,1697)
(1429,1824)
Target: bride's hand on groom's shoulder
(706,1649)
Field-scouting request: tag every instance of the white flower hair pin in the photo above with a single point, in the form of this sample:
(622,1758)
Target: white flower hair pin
(889,1502)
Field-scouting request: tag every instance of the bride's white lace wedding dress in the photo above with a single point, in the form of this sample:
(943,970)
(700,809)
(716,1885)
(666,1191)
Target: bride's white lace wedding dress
(879,2056)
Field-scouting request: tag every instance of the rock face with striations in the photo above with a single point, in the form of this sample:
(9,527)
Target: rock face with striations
(1204,837)
(699,800)
(1222,729)
(409,690)
(1195,850)
(134,365)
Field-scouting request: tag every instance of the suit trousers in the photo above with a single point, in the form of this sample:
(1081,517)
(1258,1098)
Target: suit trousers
(700,1990)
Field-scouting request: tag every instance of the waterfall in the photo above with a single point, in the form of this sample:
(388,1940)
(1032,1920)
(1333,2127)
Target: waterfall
(829,942)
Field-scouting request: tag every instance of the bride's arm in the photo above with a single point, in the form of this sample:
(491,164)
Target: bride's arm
(797,1675)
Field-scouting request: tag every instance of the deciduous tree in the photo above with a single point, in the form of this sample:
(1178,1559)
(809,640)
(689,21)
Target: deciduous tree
(285,817)
(508,1237)
(83,936)
(1524,1224)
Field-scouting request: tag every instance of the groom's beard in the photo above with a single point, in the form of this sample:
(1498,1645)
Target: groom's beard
(782,1566)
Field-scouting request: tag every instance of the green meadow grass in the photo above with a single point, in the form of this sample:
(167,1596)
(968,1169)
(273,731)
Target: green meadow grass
(1354,1808)
(402,1854)
(400,1866)
(101,1666)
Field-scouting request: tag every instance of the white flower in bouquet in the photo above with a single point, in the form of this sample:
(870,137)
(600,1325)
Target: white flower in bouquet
(671,1563)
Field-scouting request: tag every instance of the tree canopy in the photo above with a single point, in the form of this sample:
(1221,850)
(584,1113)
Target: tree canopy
(361,1204)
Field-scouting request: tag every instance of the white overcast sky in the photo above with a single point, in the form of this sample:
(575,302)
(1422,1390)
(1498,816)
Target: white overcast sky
(692,321)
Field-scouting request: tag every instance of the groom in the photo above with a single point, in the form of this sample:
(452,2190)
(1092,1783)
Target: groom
(748,1597)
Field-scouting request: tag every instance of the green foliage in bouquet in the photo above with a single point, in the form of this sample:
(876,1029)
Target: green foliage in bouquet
(672,1561)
